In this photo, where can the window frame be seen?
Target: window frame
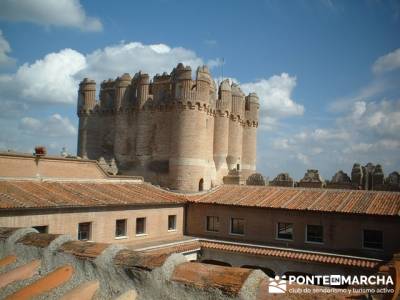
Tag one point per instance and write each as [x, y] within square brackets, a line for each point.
[175, 221]
[144, 226]
[125, 235]
[207, 228]
[371, 248]
[314, 242]
[231, 226]
[277, 232]
[90, 231]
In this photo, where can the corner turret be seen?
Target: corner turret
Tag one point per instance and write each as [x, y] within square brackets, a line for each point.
[87, 95]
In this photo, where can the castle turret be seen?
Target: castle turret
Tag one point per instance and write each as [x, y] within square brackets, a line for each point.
[86, 103]
[143, 83]
[121, 140]
[236, 129]
[221, 129]
[203, 84]
[182, 82]
[249, 144]
[187, 164]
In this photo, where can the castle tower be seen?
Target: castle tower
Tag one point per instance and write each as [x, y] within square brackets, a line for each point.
[221, 129]
[205, 98]
[144, 121]
[121, 147]
[249, 145]
[86, 103]
[236, 129]
[187, 163]
[107, 93]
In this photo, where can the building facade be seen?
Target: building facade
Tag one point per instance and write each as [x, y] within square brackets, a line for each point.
[175, 131]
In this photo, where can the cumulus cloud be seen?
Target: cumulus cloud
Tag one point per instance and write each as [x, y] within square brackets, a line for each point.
[5, 49]
[66, 13]
[51, 79]
[388, 62]
[55, 78]
[53, 126]
[117, 59]
[276, 101]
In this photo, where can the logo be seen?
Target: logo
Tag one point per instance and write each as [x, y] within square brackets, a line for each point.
[277, 285]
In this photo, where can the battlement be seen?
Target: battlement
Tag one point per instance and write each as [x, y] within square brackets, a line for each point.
[177, 89]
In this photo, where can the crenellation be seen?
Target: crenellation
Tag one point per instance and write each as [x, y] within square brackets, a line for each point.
[175, 131]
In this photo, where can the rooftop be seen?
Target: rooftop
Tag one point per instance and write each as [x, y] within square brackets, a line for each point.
[321, 200]
[22, 194]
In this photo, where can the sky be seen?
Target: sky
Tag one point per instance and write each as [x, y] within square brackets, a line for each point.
[327, 72]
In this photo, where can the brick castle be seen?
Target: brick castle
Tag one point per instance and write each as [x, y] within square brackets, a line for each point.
[175, 131]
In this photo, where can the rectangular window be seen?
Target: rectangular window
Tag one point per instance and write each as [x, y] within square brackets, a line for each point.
[212, 223]
[237, 226]
[285, 231]
[373, 239]
[41, 229]
[140, 226]
[315, 233]
[172, 222]
[120, 228]
[84, 231]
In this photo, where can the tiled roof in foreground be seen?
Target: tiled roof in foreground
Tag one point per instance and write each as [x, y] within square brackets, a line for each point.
[326, 200]
[52, 266]
[56, 194]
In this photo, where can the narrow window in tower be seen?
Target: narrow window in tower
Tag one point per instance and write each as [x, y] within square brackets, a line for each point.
[201, 183]
[238, 167]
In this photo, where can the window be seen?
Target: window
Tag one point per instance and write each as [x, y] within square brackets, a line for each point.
[140, 226]
[212, 223]
[284, 231]
[201, 184]
[41, 229]
[238, 167]
[237, 226]
[120, 228]
[84, 231]
[172, 222]
[373, 239]
[315, 234]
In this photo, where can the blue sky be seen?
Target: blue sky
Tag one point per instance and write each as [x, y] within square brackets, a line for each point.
[327, 72]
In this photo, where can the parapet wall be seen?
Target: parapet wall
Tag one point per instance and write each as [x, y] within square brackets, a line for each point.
[51, 266]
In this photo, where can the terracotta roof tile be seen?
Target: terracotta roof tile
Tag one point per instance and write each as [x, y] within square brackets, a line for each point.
[327, 200]
[291, 254]
[47, 194]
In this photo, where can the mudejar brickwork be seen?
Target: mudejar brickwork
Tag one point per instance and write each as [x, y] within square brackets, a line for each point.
[175, 131]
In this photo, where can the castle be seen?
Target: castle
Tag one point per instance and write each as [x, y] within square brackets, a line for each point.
[174, 131]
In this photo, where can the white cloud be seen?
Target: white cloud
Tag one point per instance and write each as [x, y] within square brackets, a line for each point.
[281, 144]
[276, 95]
[117, 59]
[4, 50]
[388, 62]
[48, 80]
[53, 126]
[66, 13]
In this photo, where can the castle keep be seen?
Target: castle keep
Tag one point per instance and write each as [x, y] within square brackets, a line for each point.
[174, 131]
